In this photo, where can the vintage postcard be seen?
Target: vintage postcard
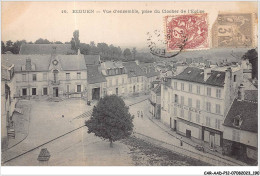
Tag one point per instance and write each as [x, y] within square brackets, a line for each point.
[130, 84]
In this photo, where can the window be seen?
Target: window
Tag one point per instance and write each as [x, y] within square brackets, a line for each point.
[218, 93]
[33, 91]
[190, 102]
[197, 118]
[198, 89]
[67, 76]
[235, 78]
[207, 121]
[34, 77]
[182, 86]
[217, 108]
[23, 77]
[236, 122]
[78, 88]
[68, 89]
[24, 91]
[217, 124]
[198, 104]
[208, 106]
[176, 98]
[44, 76]
[189, 116]
[182, 113]
[190, 87]
[209, 91]
[175, 85]
[175, 111]
[78, 75]
[45, 91]
[182, 100]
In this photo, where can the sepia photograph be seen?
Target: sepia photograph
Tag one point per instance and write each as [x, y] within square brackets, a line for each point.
[130, 84]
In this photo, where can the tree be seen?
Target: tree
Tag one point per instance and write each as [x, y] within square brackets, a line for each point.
[2, 47]
[42, 41]
[9, 43]
[127, 54]
[76, 39]
[111, 119]
[134, 53]
[85, 48]
[252, 56]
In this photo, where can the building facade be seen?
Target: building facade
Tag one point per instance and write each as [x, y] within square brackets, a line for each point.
[8, 101]
[241, 127]
[52, 76]
[195, 102]
[155, 101]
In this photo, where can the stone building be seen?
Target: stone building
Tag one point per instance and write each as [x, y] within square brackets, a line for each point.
[195, 102]
[8, 101]
[53, 76]
[240, 138]
[155, 101]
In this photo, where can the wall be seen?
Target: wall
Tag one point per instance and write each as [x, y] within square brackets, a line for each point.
[246, 137]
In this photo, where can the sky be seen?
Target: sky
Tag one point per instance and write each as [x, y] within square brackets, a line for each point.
[33, 20]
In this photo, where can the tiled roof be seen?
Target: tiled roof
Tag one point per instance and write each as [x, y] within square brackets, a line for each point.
[247, 111]
[193, 74]
[41, 61]
[94, 76]
[92, 59]
[150, 70]
[157, 89]
[45, 49]
[133, 69]
[68, 62]
[251, 95]
[72, 62]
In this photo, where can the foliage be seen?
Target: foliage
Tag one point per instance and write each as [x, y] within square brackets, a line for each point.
[111, 119]
[2, 47]
[58, 42]
[127, 54]
[13, 47]
[42, 41]
[252, 56]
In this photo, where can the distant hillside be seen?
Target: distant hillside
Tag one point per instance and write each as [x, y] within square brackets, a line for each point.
[214, 55]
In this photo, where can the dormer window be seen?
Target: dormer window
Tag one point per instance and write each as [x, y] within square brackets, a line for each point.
[237, 121]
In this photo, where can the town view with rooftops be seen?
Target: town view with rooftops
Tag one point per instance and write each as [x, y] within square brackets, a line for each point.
[199, 108]
[75, 92]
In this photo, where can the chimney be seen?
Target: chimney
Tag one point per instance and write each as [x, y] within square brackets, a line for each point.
[207, 73]
[241, 92]
[28, 65]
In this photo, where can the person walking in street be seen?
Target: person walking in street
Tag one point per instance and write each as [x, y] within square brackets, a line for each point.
[141, 114]
[138, 112]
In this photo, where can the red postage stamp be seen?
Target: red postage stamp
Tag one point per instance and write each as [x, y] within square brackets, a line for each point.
[186, 32]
